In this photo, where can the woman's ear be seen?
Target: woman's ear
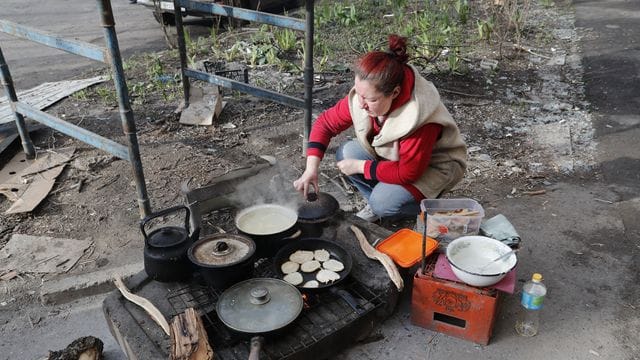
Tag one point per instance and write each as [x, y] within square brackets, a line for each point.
[395, 92]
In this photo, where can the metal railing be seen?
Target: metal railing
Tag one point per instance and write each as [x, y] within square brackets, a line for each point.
[305, 25]
[109, 55]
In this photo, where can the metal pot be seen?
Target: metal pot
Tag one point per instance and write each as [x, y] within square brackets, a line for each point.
[165, 248]
[223, 259]
[271, 226]
[258, 307]
[314, 212]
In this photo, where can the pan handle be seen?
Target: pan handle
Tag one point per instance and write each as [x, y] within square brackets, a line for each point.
[256, 346]
[346, 296]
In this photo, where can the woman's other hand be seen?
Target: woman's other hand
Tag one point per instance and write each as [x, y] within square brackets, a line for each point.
[351, 166]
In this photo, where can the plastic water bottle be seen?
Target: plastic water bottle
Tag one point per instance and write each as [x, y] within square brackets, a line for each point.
[533, 293]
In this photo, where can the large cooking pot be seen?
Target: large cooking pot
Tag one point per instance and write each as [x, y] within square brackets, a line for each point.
[259, 307]
[270, 225]
[314, 213]
[165, 248]
[223, 259]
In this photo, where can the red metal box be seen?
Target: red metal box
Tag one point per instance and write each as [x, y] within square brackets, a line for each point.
[453, 308]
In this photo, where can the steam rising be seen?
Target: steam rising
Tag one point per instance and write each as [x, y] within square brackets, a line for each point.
[273, 185]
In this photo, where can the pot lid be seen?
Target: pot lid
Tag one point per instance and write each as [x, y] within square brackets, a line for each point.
[318, 206]
[221, 250]
[265, 219]
[259, 305]
[167, 236]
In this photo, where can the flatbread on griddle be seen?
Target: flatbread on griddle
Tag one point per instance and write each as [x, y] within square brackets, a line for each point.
[311, 284]
[321, 255]
[310, 266]
[301, 256]
[333, 265]
[289, 267]
[326, 276]
[295, 278]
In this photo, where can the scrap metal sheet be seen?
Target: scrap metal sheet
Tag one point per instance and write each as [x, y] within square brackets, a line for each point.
[45, 95]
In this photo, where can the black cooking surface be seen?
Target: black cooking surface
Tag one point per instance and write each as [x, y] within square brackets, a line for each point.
[326, 325]
[324, 313]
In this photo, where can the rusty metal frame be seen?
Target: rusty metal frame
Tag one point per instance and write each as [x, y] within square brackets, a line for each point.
[305, 25]
[109, 55]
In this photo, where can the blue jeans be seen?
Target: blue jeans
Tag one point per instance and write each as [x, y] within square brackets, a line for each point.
[385, 200]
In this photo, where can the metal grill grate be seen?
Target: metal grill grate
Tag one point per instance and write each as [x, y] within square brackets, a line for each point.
[322, 317]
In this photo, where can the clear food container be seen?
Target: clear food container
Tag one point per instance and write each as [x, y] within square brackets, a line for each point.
[448, 219]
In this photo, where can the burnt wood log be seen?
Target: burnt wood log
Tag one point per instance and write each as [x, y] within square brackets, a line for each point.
[84, 348]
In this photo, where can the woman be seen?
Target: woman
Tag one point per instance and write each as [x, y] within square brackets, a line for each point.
[407, 146]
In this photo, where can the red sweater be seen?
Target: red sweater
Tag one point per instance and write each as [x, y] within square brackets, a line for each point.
[415, 149]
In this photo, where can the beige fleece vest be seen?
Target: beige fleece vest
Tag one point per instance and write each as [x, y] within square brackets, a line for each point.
[449, 156]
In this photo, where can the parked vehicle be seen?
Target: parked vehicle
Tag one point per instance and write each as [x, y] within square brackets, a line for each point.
[164, 11]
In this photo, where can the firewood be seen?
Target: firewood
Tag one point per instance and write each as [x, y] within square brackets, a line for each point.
[84, 348]
[189, 338]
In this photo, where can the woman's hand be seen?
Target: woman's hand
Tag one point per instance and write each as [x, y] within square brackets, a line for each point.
[309, 177]
[351, 166]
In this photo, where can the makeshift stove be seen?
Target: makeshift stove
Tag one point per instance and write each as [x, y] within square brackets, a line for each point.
[328, 323]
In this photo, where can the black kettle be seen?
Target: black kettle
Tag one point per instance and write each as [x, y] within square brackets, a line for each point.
[165, 248]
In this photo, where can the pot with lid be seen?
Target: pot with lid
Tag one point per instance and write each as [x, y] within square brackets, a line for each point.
[259, 307]
[314, 213]
[165, 248]
[223, 259]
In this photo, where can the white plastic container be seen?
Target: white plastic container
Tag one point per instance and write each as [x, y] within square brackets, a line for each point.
[448, 219]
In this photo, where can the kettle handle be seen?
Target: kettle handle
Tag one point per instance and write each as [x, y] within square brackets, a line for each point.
[170, 210]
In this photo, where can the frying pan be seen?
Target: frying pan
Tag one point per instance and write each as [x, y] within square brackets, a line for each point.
[335, 251]
[311, 244]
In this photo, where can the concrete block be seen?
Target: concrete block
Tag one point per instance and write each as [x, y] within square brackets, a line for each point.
[74, 287]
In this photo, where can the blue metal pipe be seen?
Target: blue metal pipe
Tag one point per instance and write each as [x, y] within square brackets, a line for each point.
[244, 14]
[182, 50]
[308, 75]
[74, 131]
[249, 89]
[71, 46]
[126, 114]
[7, 83]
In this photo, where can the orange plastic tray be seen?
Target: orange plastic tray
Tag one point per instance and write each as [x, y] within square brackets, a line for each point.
[404, 247]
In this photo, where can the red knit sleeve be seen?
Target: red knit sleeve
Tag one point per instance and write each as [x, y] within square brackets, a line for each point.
[415, 154]
[330, 123]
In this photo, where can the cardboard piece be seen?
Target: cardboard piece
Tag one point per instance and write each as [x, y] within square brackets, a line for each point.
[41, 254]
[205, 105]
[27, 182]
[443, 271]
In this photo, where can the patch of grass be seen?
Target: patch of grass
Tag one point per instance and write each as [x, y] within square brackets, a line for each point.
[107, 95]
[80, 95]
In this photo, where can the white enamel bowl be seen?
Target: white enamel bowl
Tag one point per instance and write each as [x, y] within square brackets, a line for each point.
[469, 256]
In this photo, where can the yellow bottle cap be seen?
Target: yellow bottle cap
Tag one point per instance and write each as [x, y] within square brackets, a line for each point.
[536, 277]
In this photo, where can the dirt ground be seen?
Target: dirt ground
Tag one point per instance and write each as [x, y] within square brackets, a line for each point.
[495, 110]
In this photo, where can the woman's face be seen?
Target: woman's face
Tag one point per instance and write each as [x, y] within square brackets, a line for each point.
[371, 100]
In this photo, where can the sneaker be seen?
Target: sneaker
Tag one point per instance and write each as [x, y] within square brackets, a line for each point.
[367, 214]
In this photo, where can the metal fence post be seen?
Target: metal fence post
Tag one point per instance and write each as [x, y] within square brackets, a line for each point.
[182, 50]
[308, 75]
[126, 115]
[7, 83]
